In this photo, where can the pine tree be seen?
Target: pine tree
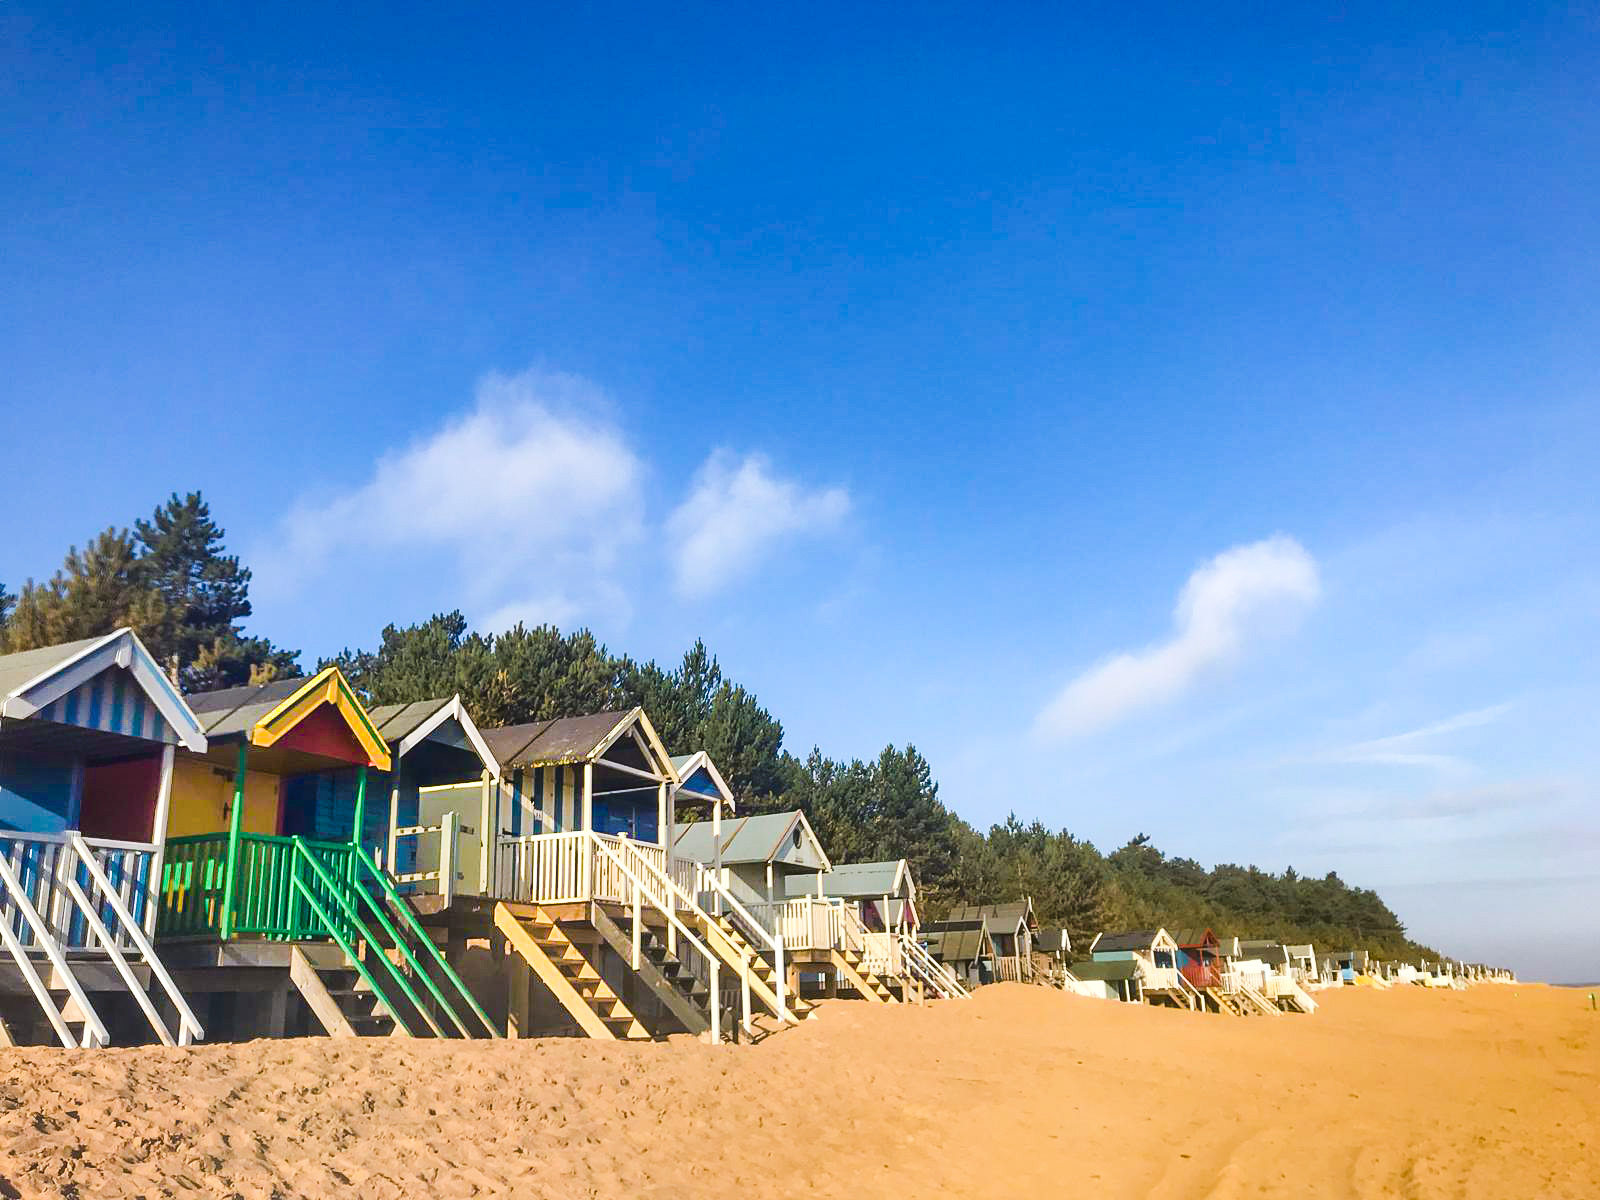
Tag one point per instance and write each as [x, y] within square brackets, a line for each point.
[205, 594]
[98, 589]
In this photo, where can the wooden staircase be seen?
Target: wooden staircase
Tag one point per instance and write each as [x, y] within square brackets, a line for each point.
[561, 966]
[870, 986]
[687, 997]
[343, 1002]
[764, 974]
[391, 978]
[1224, 1002]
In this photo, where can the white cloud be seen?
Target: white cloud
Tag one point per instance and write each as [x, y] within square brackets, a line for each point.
[1247, 592]
[529, 499]
[1408, 749]
[736, 512]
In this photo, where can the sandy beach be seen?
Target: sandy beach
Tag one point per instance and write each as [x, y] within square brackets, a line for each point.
[1021, 1091]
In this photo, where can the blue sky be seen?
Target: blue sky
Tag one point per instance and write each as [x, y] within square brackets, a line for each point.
[1171, 421]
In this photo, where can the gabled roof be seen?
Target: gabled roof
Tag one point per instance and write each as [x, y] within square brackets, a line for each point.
[84, 684]
[1090, 971]
[1194, 939]
[567, 741]
[407, 726]
[1052, 939]
[1003, 919]
[951, 945]
[761, 838]
[1137, 939]
[689, 766]
[869, 881]
[263, 714]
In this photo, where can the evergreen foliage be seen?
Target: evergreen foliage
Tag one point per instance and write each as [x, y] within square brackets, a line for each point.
[170, 581]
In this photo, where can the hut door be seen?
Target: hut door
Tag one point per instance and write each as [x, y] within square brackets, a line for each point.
[466, 801]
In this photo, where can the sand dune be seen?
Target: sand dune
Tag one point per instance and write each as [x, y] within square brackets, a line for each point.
[1020, 1092]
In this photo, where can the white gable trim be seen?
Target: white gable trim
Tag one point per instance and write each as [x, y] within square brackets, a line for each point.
[453, 708]
[119, 649]
[700, 760]
[654, 749]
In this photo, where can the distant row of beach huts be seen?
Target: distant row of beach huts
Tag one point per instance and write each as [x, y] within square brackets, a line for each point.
[281, 860]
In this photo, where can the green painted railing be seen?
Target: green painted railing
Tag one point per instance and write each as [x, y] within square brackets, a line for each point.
[266, 901]
[293, 889]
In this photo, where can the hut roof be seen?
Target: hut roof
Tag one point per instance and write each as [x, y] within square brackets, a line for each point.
[868, 881]
[761, 838]
[1093, 971]
[1053, 939]
[698, 776]
[264, 713]
[406, 726]
[109, 685]
[565, 741]
[964, 944]
[1137, 939]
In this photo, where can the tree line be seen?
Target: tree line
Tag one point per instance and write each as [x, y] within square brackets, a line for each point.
[171, 579]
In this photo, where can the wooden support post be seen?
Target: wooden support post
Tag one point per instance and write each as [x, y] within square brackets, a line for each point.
[487, 835]
[588, 796]
[231, 869]
[158, 835]
[392, 849]
[361, 816]
[519, 977]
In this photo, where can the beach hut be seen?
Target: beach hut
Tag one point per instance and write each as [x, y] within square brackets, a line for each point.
[1012, 927]
[1052, 951]
[1199, 955]
[89, 733]
[1155, 953]
[964, 947]
[765, 858]
[274, 910]
[1106, 979]
[773, 864]
[881, 897]
[619, 934]
[442, 798]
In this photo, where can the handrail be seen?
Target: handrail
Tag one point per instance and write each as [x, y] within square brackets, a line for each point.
[94, 1030]
[936, 973]
[189, 1028]
[773, 939]
[354, 917]
[449, 831]
[677, 922]
[365, 860]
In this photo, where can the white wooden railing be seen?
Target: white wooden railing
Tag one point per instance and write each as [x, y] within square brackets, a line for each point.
[642, 890]
[940, 978]
[61, 892]
[44, 863]
[566, 868]
[1007, 968]
[582, 866]
[448, 831]
[882, 955]
[710, 889]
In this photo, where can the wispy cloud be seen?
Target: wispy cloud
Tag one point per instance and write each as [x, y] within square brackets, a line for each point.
[1245, 593]
[737, 512]
[1409, 749]
[531, 496]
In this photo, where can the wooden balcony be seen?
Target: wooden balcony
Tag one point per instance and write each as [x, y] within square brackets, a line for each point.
[44, 863]
[568, 868]
[266, 901]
